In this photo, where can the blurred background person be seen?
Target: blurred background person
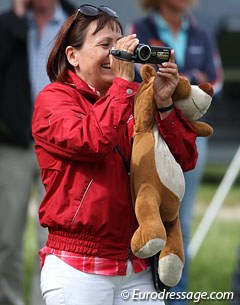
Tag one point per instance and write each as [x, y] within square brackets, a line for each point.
[26, 32]
[171, 23]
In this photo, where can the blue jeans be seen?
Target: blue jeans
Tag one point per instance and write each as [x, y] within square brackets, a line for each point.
[193, 180]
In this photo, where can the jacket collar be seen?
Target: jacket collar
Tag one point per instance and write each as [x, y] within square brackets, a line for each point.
[82, 87]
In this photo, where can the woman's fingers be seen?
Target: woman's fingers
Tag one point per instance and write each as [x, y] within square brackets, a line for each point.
[172, 57]
[168, 69]
[128, 43]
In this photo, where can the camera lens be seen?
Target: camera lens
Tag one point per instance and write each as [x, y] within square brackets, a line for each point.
[143, 52]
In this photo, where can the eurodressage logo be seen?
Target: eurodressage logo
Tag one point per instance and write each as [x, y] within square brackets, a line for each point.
[196, 297]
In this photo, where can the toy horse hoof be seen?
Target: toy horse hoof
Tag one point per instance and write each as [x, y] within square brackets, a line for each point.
[152, 247]
[170, 269]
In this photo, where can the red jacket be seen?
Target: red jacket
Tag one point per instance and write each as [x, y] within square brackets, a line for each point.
[87, 206]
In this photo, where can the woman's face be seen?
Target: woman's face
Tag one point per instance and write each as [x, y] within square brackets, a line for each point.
[43, 5]
[178, 5]
[92, 60]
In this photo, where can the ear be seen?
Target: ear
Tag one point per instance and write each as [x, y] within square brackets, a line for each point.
[147, 72]
[207, 87]
[71, 56]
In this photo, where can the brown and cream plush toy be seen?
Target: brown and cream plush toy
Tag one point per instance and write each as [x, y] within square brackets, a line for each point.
[157, 180]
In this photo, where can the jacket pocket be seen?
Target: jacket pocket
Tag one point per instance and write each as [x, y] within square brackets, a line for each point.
[81, 201]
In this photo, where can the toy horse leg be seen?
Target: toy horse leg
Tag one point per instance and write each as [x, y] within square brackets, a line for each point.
[171, 260]
[150, 237]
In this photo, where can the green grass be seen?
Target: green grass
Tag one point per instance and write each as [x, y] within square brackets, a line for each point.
[212, 268]
[214, 173]
[207, 192]
[30, 253]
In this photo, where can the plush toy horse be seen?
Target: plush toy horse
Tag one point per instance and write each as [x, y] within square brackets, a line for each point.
[157, 180]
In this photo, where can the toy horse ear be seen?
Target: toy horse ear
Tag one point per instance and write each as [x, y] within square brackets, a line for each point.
[147, 72]
[207, 87]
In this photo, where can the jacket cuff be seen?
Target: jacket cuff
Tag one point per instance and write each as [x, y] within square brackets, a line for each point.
[169, 122]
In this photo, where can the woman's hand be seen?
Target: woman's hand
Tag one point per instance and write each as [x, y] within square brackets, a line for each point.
[121, 68]
[165, 83]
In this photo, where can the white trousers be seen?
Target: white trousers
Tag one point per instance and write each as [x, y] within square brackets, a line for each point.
[62, 284]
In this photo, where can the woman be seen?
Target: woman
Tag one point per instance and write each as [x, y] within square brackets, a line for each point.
[170, 23]
[80, 123]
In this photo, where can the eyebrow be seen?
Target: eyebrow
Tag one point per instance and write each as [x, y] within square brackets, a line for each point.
[108, 38]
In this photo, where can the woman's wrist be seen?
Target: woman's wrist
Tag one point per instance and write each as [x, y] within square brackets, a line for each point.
[162, 104]
[164, 108]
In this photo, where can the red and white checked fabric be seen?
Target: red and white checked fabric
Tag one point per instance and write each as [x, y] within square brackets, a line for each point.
[92, 264]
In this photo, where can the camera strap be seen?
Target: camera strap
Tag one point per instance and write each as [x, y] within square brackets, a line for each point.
[123, 158]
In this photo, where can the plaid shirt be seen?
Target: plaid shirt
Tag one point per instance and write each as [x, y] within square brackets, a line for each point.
[92, 264]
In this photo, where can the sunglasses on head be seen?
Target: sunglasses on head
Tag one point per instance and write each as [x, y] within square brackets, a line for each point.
[93, 11]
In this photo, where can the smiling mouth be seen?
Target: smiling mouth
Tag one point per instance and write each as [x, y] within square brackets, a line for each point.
[106, 66]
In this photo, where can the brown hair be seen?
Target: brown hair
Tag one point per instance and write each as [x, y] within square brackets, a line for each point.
[73, 32]
[153, 4]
